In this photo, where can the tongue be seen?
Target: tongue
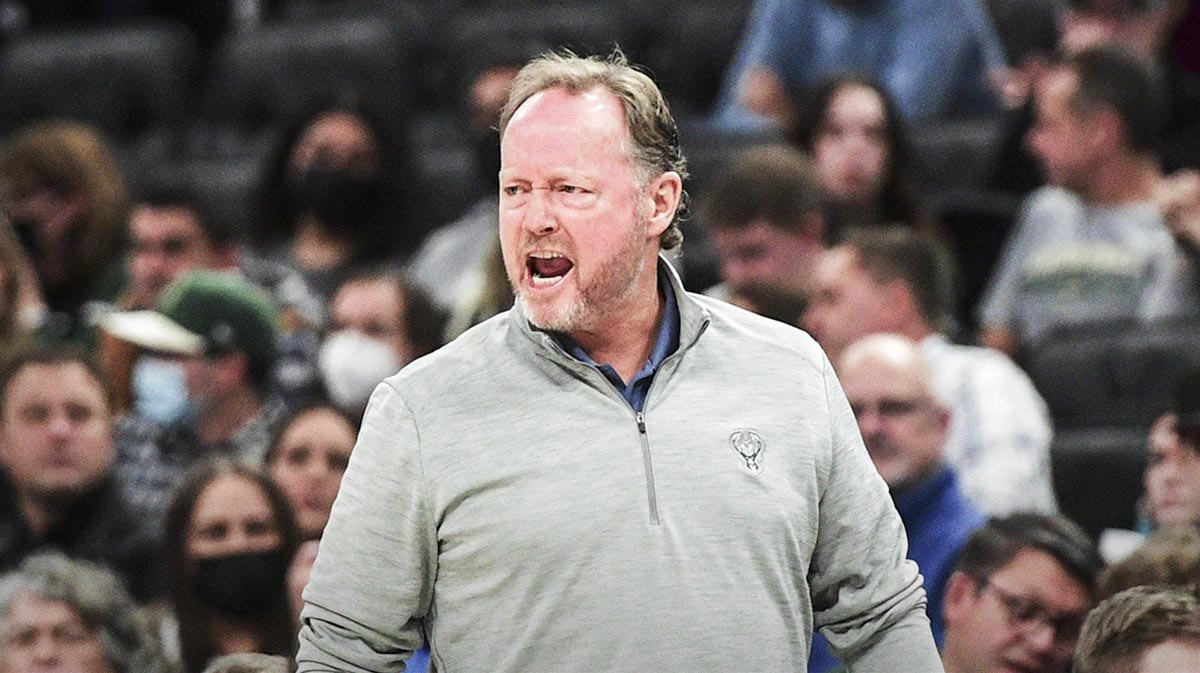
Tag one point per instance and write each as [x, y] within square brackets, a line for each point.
[549, 268]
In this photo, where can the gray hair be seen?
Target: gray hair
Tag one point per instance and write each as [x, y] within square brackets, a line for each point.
[99, 599]
[655, 147]
[249, 663]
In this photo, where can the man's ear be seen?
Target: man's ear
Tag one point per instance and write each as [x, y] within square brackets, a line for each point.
[960, 595]
[664, 195]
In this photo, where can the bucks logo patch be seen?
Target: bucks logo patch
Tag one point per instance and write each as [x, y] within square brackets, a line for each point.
[750, 447]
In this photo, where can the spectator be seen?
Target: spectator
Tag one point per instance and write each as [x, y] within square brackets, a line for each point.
[934, 56]
[763, 214]
[334, 197]
[860, 148]
[459, 265]
[896, 281]
[57, 485]
[307, 460]
[249, 663]
[1094, 245]
[378, 322]
[58, 614]
[63, 191]
[1172, 476]
[1018, 596]
[1142, 630]
[203, 389]
[172, 231]
[21, 306]
[1152, 30]
[904, 424]
[229, 539]
[1170, 557]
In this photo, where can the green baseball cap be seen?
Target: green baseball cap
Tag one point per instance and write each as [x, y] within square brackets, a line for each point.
[203, 313]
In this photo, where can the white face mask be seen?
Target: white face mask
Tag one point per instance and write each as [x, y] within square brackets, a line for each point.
[352, 364]
[160, 391]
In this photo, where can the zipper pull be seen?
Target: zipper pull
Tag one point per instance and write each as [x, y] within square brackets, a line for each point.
[641, 421]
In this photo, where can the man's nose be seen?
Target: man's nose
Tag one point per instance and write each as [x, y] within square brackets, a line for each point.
[539, 213]
[1041, 637]
[44, 649]
[60, 425]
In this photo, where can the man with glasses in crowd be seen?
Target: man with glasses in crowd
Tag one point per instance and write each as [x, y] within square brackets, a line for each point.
[903, 424]
[1018, 596]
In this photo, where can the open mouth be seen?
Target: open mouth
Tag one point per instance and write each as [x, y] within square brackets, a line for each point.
[547, 269]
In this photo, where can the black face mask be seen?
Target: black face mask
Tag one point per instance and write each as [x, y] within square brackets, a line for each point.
[340, 198]
[241, 584]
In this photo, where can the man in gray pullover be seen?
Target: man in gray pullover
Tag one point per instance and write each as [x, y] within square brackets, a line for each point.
[616, 475]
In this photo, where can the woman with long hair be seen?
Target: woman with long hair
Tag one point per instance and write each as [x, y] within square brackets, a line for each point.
[854, 133]
[336, 194]
[229, 538]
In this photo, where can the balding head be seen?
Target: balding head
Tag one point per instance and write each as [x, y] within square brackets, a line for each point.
[902, 422]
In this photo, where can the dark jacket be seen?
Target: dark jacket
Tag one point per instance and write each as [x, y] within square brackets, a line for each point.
[97, 527]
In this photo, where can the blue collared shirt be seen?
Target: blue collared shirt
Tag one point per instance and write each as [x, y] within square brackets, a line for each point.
[666, 343]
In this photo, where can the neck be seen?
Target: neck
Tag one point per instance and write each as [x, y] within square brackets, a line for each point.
[626, 336]
[855, 213]
[39, 513]
[1123, 180]
[228, 414]
[915, 329]
[234, 635]
[950, 660]
[315, 248]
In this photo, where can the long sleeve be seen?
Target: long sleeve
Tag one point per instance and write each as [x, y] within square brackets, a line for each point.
[372, 581]
[867, 597]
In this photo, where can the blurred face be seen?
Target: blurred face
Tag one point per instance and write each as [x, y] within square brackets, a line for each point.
[573, 214]
[308, 464]
[374, 308]
[1172, 656]
[1061, 138]
[847, 303]
[762, 255]
[232, 516]
[850, 150]
[167, 242]
[1172, 477]
[48, 636]
[336, 139]
[51, 213]
[1025, 618]
[901, 423]
[489, 93]
[55, 432]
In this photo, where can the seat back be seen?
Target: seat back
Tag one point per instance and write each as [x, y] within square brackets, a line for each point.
[124, 80]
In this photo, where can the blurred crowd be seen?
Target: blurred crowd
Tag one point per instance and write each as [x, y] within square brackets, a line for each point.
[185, 366]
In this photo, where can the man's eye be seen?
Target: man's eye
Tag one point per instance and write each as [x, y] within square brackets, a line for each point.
[569, 189]
[512, 190]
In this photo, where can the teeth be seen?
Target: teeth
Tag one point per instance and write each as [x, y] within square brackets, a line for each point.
[544, 255]
[546, 281]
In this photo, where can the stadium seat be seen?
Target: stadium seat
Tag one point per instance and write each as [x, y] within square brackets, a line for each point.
[268, 76]
[124, 79]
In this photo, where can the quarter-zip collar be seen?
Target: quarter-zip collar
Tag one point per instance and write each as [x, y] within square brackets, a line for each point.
[665, 343]
[693, 320]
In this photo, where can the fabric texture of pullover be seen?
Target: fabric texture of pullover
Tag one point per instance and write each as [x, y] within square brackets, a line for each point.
[505, 500]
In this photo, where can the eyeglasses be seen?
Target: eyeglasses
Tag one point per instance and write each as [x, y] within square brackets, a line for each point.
[1029, 616]
[889, 408]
